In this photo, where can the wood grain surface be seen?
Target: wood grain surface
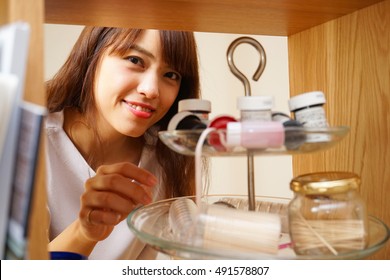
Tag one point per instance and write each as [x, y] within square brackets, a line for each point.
[31, 11]
[276, 17]
[349, 59]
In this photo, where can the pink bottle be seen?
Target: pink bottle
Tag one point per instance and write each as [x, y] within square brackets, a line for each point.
[255, 134]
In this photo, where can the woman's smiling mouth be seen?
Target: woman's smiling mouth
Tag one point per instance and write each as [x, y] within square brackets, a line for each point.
[140, 110]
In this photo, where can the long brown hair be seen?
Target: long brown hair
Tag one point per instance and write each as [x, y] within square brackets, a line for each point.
[72, 86]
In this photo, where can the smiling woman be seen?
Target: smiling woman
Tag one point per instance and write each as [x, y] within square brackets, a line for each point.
[116, 90]
[141, 70]
[221, 88]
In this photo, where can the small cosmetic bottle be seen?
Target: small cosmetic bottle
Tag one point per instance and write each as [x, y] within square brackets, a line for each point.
[255, 107]
[294, 136]
[220, 124]
[308, 109]
[255, 134]
[199, 107]
[256, 130]
[327, 216]
[186, 121]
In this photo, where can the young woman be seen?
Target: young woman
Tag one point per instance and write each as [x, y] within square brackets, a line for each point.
[117, 89]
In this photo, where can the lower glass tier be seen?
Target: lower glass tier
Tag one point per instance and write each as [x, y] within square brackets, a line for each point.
[151, 225]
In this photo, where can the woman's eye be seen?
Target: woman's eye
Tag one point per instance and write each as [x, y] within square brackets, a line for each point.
[173, 76]
[135, 60]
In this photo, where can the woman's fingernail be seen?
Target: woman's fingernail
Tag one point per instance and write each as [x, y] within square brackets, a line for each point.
[152, 181]
[146, 199]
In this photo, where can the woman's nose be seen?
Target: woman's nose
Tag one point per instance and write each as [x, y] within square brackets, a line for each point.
[149, 85]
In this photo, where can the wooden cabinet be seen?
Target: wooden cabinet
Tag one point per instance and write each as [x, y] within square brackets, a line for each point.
[340, 47]
[277, 17]
[32, 11]
[349, 59]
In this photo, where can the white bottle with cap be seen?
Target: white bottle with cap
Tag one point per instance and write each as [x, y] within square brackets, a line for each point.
[255, 107]
[256, 130]
[308, 109]
[199, 107]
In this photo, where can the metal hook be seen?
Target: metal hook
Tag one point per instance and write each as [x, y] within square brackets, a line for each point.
[244, 80]
[237, 72]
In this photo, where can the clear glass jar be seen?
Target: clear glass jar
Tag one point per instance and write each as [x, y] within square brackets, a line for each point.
[327, 215]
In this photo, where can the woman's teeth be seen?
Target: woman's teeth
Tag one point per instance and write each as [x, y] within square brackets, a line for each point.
[140, 108]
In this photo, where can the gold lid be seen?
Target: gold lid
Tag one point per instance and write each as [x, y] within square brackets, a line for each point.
[325, 182]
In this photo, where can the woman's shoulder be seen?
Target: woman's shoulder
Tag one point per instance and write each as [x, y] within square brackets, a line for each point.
[54, 121]
[56, 136]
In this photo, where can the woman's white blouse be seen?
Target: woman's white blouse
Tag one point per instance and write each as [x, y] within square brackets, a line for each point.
[67, 171]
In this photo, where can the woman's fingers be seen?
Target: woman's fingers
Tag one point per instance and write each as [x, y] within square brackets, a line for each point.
[114, 192]
[107, 200]
[104, 208]
[120, 185]
[96, 216]
[131, 171]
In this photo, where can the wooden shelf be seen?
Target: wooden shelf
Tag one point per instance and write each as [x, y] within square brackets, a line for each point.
[276, 17]
[331, 43]
[348, 59]
[31, 11]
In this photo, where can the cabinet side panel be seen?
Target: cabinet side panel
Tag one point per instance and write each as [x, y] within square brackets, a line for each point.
[3, 12]
[32, 11]
[349, 59]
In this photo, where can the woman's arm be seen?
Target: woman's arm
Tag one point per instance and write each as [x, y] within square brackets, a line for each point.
[71, 240]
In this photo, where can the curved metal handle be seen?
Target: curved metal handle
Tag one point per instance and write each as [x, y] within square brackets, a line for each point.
[237, 72]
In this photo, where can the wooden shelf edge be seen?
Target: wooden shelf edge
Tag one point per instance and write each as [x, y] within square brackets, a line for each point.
[278, 18]
[32, 11]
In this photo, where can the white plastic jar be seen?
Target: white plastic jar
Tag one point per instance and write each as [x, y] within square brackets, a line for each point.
[255, 107]
[308, 109]
[256, 130]
[199, 107]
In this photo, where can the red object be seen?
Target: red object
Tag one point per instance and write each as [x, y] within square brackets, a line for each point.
[219, 123]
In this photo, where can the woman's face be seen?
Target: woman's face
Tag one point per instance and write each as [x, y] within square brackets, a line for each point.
[136, 90]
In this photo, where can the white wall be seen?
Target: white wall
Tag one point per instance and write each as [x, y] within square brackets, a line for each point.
[221, 87]
[58, 42]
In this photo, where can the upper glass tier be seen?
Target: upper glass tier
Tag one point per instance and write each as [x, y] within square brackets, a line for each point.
[297, 141]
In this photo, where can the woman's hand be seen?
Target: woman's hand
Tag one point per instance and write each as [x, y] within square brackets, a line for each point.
[111, 195]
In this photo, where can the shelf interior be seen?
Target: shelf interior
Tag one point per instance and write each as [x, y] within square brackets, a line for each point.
[277, 18]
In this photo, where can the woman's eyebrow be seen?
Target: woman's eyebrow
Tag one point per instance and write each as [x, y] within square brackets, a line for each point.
[142, 50]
